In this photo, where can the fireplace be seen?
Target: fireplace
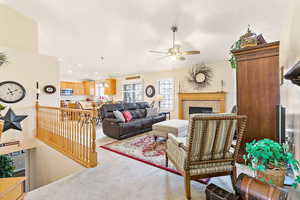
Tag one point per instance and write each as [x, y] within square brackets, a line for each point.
[206, 102]
[194, 110]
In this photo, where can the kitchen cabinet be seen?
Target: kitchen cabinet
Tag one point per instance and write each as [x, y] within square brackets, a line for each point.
[89, 88]
[77, 87]
[111, 87]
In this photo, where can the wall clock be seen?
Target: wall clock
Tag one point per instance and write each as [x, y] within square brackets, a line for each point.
[49, 89]
[150, 91]
[11, 92]
[200, 76]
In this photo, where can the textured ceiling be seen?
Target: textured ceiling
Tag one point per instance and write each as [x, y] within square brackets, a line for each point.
[122, 31]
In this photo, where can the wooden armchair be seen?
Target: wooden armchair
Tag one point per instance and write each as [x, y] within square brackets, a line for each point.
[205, 152]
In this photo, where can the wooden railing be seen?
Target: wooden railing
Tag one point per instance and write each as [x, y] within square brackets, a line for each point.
[70, 131]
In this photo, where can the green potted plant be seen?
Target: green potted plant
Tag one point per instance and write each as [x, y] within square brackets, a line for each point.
[232, 60]
[270, 161]
[3, 58]
[6, 166]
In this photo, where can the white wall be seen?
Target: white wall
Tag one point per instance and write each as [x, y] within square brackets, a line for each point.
[18, 39]
[290, 54]
[17, 31]
[221, 71]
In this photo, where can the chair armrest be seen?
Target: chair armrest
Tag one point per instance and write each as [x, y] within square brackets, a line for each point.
[177, 141]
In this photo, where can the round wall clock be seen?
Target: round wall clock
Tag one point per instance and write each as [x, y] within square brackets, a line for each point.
[11, 92]
[150, 91]
[49, 89]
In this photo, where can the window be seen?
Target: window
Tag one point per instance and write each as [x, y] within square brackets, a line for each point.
[166, 90]
[100, 90]
[133, 92]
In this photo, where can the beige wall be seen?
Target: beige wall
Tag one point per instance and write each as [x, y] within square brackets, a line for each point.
[290, 54]
[27, 68]
[18, 39]
[221, 71]
[48, 166]
[22, 29]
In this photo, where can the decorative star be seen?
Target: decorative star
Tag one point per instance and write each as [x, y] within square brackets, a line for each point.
[12, 121]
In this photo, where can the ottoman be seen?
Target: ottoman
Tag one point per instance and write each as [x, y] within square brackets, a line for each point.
[175, 126]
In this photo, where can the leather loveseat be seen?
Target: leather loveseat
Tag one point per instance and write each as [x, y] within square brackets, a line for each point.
[121, 130]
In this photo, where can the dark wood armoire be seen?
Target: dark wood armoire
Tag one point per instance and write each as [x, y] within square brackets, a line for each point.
[258, 94]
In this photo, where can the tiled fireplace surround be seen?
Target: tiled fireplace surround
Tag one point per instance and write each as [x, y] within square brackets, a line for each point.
[215, 100]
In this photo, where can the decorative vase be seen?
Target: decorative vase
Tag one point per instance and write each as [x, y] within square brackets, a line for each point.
[276, 175]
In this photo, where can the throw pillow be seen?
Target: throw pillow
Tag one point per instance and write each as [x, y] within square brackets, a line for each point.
[151, 112]
[119, 116]
[127, 115]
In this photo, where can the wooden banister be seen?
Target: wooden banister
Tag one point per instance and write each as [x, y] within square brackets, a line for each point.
[70, 131]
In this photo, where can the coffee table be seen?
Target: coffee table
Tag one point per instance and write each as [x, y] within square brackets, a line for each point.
[174, 126]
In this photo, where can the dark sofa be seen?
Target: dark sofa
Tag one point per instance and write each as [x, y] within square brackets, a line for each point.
[121, 130]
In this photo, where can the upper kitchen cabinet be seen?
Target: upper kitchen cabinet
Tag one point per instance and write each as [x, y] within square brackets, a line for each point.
[89, 88]
[110, 88]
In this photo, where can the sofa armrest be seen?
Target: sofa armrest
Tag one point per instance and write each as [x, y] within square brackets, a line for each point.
[111, 127]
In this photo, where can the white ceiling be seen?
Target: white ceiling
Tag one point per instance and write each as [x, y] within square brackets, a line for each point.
[122, 31]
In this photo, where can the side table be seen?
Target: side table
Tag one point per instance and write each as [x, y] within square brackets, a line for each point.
[166, 113]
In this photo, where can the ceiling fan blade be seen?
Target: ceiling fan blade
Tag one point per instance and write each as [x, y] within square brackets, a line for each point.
[190, 52]
[161, 58]
[161, 52]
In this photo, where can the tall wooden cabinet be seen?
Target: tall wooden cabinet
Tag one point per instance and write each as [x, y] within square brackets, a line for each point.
[258, 93]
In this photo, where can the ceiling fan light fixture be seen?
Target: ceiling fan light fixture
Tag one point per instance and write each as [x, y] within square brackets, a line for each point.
[174, 28]
[175, 50]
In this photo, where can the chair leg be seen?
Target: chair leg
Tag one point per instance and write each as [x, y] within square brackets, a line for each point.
[167, 160]
[187, 185]
[233, 177]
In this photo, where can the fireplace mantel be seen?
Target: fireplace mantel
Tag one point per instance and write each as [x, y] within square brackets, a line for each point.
[203, 96]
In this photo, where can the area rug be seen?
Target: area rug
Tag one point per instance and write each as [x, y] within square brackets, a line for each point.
[144, 149]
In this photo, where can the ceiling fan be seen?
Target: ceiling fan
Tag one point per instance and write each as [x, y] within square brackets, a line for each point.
[175, 51]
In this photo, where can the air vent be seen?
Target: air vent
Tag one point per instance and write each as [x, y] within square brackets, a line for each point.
[132, 77]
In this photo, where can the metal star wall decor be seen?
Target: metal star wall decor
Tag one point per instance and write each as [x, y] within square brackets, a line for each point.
[12, 121]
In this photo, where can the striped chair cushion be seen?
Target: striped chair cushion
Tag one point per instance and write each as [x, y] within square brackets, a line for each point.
[210, 168]
[211, 138]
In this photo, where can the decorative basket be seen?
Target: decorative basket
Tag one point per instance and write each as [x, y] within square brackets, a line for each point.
[277, 175]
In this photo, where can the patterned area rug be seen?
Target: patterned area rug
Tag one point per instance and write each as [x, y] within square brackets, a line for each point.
[143, 148]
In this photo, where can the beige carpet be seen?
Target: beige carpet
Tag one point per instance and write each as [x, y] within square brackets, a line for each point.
[118, 177]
